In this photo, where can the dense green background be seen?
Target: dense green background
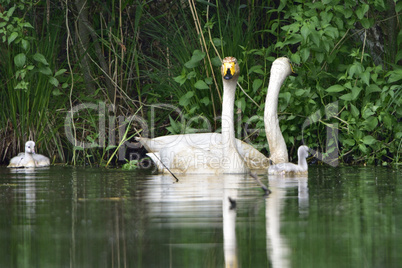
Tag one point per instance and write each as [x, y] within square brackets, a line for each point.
[127, 55]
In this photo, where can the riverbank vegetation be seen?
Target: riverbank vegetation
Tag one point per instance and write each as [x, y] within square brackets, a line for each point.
[82, 78]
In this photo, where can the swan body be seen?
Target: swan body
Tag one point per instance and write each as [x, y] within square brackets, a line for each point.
[280, 69]
[204, 141]
[204, 156]
[29, 158]
[289, 168]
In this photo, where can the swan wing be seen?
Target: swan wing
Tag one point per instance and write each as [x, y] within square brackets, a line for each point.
[190, 144]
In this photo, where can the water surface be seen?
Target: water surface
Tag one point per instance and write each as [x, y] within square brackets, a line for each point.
[94, 217]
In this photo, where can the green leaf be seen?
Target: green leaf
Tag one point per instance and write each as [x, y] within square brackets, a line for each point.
[10, 11]
[366, 113]
[200, 84]
[349, 142]
[372, 88]
[185, 99]
[347, 97]
[355, 112]
[20, 60]
[181, 79]
[54, 81]
[24, 44]
[218, 42]
[356, 68]
[241, 103]
[191, 75]
[335, 88]
[216, 61]
[256, 69]
[59, 72]
[360, 12]
[286, 96]
[175, 125]
[12, 37]
[369, 140]
[305, 31]
[295, 58]
[370, 123]
[205, 101]
[40, 58]
[363, 148]
[56, 92]
[22, 85]
[319, 56]
[27, 25]
[197, 56]
[45, 70]
[365, 77]
[316, 38]
[355, 92]
[387, 119]
[305, 54]
[395, 75]
[257, 84]
[366, 23]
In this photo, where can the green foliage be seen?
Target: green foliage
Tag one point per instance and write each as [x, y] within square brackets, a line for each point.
[328, 40]
[347, 55]
[29, 79]
[130, 165]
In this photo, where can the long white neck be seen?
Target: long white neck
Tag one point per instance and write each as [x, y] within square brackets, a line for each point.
[276, 142]
[233, 162]
[302, 161]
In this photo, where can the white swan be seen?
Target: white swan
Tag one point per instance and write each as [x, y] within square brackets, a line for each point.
[289, 168]
[208, 152]
[29, 158]
[255, 160]
[280, 69]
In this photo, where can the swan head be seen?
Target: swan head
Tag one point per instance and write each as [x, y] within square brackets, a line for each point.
[283, 65]
[302, 152]
[30, 147]
[230, 68]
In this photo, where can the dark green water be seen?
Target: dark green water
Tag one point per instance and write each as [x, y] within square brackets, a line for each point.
[92, 217]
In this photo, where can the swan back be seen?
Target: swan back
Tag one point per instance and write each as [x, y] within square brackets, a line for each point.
[41, 160]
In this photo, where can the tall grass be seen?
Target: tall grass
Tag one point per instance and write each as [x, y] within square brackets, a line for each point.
[29, 114]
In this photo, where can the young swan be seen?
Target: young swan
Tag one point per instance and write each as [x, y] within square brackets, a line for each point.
[29, 158]
[290, 168]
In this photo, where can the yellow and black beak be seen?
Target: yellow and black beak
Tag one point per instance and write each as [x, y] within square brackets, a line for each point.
[228, 70]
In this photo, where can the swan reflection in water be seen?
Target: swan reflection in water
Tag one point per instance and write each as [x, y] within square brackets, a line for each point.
[277, 246]
[198, 201]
